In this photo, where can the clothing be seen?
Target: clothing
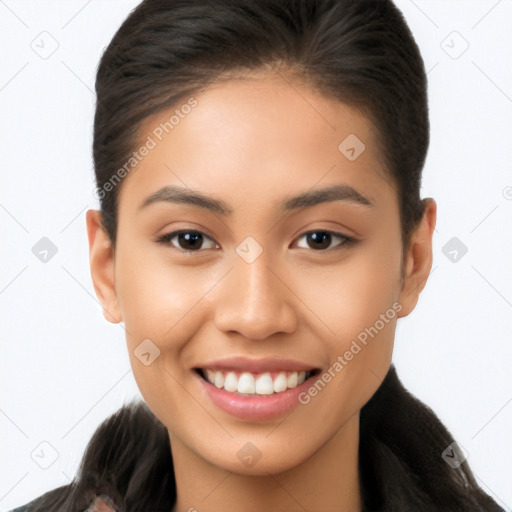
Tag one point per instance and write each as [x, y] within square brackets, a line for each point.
[100, 503]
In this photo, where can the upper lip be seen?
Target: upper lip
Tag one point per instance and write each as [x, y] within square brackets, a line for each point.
[272, 364]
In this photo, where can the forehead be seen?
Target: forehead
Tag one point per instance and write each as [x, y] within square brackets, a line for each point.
[266, 129]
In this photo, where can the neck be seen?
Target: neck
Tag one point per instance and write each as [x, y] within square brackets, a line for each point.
[327, 481]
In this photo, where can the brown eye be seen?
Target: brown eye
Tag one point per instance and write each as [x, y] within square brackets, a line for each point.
[321, 240]
[193, 241]
[189, 241]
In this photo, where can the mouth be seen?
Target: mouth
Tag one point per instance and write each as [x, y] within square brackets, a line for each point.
[252, 389]
[246, 383]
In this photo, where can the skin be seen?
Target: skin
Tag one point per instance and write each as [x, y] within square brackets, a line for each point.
[251, 143]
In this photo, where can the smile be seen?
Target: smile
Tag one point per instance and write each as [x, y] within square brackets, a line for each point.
[248, 383]
[254, 389]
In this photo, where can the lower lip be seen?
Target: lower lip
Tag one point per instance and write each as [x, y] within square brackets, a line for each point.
[257, 407]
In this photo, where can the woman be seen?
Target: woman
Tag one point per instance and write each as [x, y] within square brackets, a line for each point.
[258, 165]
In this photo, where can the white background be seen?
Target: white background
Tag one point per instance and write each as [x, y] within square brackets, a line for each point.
[64, 368]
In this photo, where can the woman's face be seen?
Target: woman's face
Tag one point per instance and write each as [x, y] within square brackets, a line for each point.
[279, 277]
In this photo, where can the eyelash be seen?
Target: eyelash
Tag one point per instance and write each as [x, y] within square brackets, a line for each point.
[166, 239]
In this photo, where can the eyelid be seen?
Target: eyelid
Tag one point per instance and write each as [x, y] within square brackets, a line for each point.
[348, 240]
[166, 237]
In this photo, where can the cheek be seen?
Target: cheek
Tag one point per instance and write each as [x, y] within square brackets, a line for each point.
[162, 310]
[351, 296]
[356, 315]
[364, 319]
[158, 298]
[356, 306]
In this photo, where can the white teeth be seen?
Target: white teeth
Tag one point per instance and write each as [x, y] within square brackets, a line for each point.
[264, 384]
[246, 383]
[292, 380]
[260, 384]
[210, 375]
[218, 379]
[231, 382]
[280, 383]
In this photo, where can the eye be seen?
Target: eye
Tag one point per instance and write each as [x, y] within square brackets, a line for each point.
[187, 240]
[321, 239]
[192, 240]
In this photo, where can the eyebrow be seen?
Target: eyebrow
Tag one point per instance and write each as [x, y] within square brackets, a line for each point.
[180, 195]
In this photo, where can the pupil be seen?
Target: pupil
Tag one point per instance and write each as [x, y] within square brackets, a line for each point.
[190, 238]
[320, 236]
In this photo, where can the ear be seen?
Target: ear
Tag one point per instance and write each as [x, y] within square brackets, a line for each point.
[418, 259]
[101, 262]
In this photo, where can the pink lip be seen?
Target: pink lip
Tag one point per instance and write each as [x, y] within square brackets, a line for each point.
[244, 364]
[263, 407]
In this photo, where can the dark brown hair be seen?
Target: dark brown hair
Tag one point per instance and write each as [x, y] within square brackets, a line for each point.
[360, 52]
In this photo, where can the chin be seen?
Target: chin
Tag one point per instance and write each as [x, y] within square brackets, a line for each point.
[278, 463]
[259, 457]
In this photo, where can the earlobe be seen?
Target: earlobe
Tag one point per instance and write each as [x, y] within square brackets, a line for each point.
[101, 262]
[418, 259]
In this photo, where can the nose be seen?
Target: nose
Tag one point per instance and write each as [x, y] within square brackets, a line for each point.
[255, 301]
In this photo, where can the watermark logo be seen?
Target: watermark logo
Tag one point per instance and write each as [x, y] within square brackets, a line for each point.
[44, 455]
[44, 250]
[454, 455]
[454, 249]
[249, 454]
[454, 45]
[146, 352]
[45, 45]
[351, 147]
[249, 249]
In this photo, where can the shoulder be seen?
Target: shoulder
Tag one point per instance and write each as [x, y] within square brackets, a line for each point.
[47, 502]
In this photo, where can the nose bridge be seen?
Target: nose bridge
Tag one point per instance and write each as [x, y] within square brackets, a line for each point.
[254, 302]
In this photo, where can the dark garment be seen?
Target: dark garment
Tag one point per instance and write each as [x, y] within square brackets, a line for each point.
[101, 503]
[35, 502]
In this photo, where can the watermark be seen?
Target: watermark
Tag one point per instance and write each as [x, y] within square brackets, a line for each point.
[146, 352]
[454, 45]
[354, 349]
[454, 455]
[249, 249]
[351, 147]
[44, 454]
[44, 250]
[150, 143]
[249, 454]
[44, 45]
[454, 249]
